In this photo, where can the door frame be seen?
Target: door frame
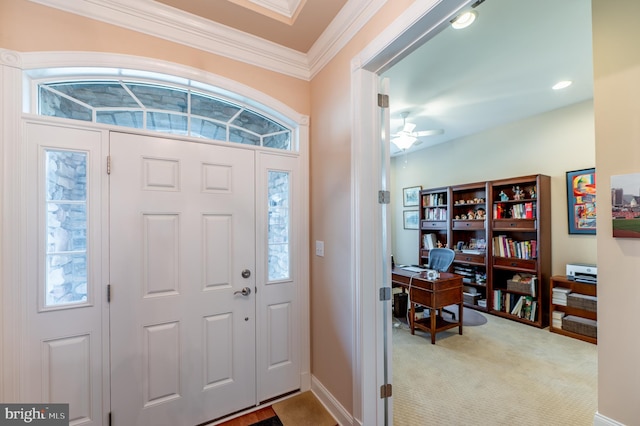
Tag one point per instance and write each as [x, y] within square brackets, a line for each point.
[415, 26]
[14, 257]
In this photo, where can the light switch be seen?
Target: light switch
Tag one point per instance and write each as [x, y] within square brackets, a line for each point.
[320, 248]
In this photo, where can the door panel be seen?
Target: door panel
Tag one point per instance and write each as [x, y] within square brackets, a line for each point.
[182, 231]
[65, 311]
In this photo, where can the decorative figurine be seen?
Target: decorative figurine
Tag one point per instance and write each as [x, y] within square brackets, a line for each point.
[480, 214]
[518, 194]
[532, 192]
[471, 214]
[503, 196]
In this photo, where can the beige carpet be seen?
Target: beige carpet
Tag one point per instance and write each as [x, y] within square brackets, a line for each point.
[303, 410]
[499, 373]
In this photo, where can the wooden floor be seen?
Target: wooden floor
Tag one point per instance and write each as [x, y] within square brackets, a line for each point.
[251, 418]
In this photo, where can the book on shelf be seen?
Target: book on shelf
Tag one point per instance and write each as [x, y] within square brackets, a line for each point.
[505, 246]
[559, 295]
[429, 241]
[435, 213]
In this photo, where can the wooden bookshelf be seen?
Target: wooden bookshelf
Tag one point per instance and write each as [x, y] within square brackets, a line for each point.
[575, 287]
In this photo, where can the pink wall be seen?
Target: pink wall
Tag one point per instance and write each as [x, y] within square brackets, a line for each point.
[331, 293]
[29, 27]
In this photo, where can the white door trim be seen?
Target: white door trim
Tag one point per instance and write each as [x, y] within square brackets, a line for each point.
[13, 226]
[420, 22]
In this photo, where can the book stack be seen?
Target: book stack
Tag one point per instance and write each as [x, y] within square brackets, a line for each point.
[559, 296]
[429, 241]
[556, 319]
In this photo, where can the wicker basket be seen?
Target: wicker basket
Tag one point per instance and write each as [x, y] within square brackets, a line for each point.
[582, 301]
[579, 325]
[518, 286]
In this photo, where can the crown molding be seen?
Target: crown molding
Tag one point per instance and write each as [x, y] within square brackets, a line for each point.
[159, 20]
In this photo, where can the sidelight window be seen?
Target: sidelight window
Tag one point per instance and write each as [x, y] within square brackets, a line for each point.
[279, 258]
[66, 227]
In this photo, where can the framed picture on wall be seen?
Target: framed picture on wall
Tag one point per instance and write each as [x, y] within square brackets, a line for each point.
[581, 201]
[410, 218]
[625, 210]
[411, 196]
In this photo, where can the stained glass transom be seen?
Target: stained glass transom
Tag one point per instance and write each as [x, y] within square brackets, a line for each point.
[161, 108]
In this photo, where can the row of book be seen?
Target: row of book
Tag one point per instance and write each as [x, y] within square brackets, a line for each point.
[436, 213]
[520, 306]
[515, 211]
[432, 200]
[504, 246]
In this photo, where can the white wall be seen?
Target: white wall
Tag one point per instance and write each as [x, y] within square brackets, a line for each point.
[551, 143]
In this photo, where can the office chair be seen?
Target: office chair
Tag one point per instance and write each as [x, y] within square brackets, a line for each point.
[441, 259]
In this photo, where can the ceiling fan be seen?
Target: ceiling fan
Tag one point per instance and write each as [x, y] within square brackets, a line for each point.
[406, 137]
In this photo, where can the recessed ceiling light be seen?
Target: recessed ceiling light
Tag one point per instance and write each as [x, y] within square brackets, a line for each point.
[464, 20]
[562, 84]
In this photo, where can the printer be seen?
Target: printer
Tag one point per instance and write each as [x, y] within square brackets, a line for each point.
[582, 272]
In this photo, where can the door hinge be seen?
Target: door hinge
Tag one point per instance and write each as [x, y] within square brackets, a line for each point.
[384, 197]
[385, 391]
[108, 164]
[108, 293]
[383, 100]
[385, 293]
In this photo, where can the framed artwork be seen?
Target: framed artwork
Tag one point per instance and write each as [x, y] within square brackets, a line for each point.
[410, 218]
[411, 196]
[581, 201]
[625, 210]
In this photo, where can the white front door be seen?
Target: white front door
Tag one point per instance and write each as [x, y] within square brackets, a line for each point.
[182, 249]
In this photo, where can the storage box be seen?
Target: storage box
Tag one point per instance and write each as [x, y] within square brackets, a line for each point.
[584, 326]
[471, 299]
[519, 286]
[582, 301]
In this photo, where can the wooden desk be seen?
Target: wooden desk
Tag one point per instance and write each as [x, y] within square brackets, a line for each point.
[432, 294]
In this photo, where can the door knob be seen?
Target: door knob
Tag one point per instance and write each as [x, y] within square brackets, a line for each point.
[245, 291]
[246, 273]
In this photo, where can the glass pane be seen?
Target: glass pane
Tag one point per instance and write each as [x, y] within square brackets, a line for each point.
[162, 98]
[66, 279]
[279, 224]
[53, 105]
[98, 94]
[257, 123]
[66, 227]
[280, 141]
[121, 118]
[66, 173]
[212, 108]
[168, 123]
[208, 129]
[239, 136]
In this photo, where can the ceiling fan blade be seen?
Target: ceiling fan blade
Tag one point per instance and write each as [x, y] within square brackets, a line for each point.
[431, 132]
[408, 127]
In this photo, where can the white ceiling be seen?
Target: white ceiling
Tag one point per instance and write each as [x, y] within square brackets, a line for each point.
[462, 81]
[498, 70]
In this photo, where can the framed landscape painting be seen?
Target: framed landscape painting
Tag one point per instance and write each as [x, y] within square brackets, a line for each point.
[411, 196]
[411, 219]
[625, 211]
[581, 201]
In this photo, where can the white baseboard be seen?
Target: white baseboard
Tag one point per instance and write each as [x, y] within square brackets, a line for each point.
[343, 417]
[600, 420]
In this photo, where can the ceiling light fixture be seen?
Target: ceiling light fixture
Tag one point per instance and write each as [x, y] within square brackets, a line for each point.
[562, 84]
[404, 141]
[464, 20]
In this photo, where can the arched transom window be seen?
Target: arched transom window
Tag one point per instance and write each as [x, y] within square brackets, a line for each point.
[161, 108]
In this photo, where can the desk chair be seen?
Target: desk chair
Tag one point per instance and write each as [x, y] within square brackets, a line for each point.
[441, 259]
